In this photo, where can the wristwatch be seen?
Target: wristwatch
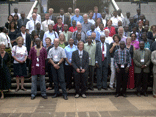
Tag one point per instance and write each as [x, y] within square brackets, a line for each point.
[58, 63]
[145, 65]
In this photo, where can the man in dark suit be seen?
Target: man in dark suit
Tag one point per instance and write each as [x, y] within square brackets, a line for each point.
[22, 21]
[51, 16]
[65, 19]
[102, 60]
[80, 62]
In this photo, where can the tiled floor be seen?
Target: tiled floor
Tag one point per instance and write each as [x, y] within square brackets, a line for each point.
[92, 106]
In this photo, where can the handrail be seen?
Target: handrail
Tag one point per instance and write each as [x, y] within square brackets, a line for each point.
[31, 10]
[116, 6]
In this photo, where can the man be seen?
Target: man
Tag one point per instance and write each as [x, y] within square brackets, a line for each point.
[119, 25]
[120, 33]
[73, 28]
[108, 15]
[137, 16]
[108, 39]
[93, 30]
[47, 22]
[93, 35]
[90, 19]
[30, 26]
[22, 21]
[141, 59]
[77, 17]
[16, 12]
[115, 19]
[80, 61]
[126, 31]
[79, 30]
[101, 31]
[38, 56]
[140, 29]
[147, 42]
[153, 59]
[69, 13]
[86, 25]
[127, 19]
[96, 14]
[68, 65]
[103, 19]
[122, 61]
[51, 34]
[148, 33]
[102, 60]
[131, 24]
[56, 56]
[38, 31]
[91, 49]
[66, 33]
[38, 17]
[51, 16]
[65, 19]
[153, 47]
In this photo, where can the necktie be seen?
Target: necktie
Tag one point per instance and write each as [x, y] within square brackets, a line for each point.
[80, 59]
[95, 16]
[103, 56]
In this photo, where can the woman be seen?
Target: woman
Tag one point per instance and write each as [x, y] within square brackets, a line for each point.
[113, 47]
[111, 28]
[62, 43]
[15, 20]
[5, 77]
[98, 22]
[130, 83]
[134, 30]
[153, 28]
[13, 32]
[134, 42]
[19, 53]
[10, 18]
[58, 27]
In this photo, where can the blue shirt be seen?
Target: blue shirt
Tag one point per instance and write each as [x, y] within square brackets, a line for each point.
[52, 36]
[97, 34]
[69, 51]
[98, 16]
[147, 45]
[80, 19]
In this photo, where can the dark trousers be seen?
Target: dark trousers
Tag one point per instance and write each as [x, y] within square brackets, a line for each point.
[102, 73]
[141, 78]
[68, 76]
[49, 69]
[91, 76]
[80, 82]
[58, 78]
[121, 79]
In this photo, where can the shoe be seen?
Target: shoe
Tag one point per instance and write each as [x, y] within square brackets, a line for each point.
[117, 95]
[145, 94]
[91, 88]
[138, 94]
[154, 96]
[44, 97]
[105, 88]
[77, 96]
[84, 96]
[32, 98]
[124, 95]
[55, 96]
[111, 88]
[65, 97]
[17, 90]
[99, 89]
[23, 89]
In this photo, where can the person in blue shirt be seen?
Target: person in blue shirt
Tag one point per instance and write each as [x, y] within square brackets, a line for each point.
[77, 17]
[69, 49]
[93, 30]
[96, 14]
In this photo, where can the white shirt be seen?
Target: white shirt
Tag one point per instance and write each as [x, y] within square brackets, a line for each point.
[101, 32]
[46, 23]
[30, 25]
[24, 37]
[104, 22]
[5, 38]
[109, 40]
[62, 18]
[97, 29]
[38, 18]
[19, 15]
[80, 52]
[115, 21]
[52, 36]
[105, 49]
[91, 21]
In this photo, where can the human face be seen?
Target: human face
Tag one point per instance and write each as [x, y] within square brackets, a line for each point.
[70, 10]
[81, 46]
[62, 12]
[89, 39]
[12, 25]
[10, 18]
[71, 41]
[109, 23]
[47, 16]
[61, 37]
[101, 26]
[23, 29]
[115, 13]
[96, 10]
[34, 16]
[85, 18]
[107, 33]
[92, 27]
[90, 15]
[133, 37]
[120, 32]
[23, 15]
[2, 48]
[74, 23]
[102, 39]
[50, 27]
[126, 28]
[79, 27]
[16, 10]
[93, 36]
[144, 37]
[142, 45]
[128, 41]
[122, 45]
[65, 27]
[103, 15]
[38, 41]
[119, 23]
[140, 24]
[50, 12]
[56, 42]
[59, 21]
[35, 10]
[48, 42]
[116, 39]
[78, 36]
[20, 42]
[77, 12]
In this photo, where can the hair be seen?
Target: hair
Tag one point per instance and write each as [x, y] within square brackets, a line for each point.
[59, 17]
[23, 26]
[61, 34]
[77, 9]
[152, 27]
[95, 7]
[15, 26]
[61, 9]
[35, 8]
[11, 16]
[78, 34]
[2, 43]
[16, 16]
[110, 21]
[80, 43]
[90, 11]
[48, 38]
[128, 38]
[106, 30]
[116, 35]
[50, 24]
[132, 34]
[120, 28]
[18, 38]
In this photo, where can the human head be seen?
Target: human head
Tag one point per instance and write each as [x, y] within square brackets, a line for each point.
[91, 14]
[38, 26]
[115, 13]
[146, 22]
[119, 23]
[106, 32]
[20, 41]
[16, 17]
[153, 28]
[56, 42]
[102, 38]
[93, 35]
[35, 10]
[101, 26]
[78, 36]
[34, 16]
[62, 37]
[131, 20]
[12, 25]
[109, 23]
[128, 14]
[79, 26]
[128, 40]
[65, 27]
[144, 36]
[23, 28]
[89, 39]
[133, 36]
[47, 16]
[141, 45]
[126, 28]
[2, 47]
[16, 10]
[77, 11]
[61, 11]
[119, 12]
[22, 15]
[59, 20]
[138, 11]
[92, 27]
[96, 9]
[120, 31]
[38, 42]
[116, 38]
[71, 41]
[74, 23]
[51, 10]
[70, 10]
[122, 45]
[140, 24]
[50, 27]
[80, 45]
[48, 41]
[146, 28]
[10, 18]
[103, 15]
[85, 18]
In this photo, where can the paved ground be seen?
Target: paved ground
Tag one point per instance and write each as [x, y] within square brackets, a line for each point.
[92, 106]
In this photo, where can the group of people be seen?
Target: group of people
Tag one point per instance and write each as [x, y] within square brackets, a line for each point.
[72, 48]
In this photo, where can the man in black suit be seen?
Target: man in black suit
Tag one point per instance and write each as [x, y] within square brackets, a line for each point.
[65, 19]
[102, 60]
[80, 62]
[22, 21]
[51, 16]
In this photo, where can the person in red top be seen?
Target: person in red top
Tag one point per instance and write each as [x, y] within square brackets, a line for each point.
[58, 27]
[111, 28]
[73, 28]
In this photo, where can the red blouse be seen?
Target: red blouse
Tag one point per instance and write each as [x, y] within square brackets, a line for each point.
[111, 31]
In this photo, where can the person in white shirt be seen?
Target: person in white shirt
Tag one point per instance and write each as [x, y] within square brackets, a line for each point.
[104, 21]
[16, 12]
[30, 26]
[91, 20]
[38, 16]
[108, 39]
[47, 22]
[51, 34]
[115, 19]
[101, 31]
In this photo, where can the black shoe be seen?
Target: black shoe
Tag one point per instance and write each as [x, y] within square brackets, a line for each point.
[138, 94]
[145, 94]
[91, 88]
[99, 89]
[117, 95]
[55, 96]
[124, 95]
[44, 97]
[32, 98]
[65, 97]
[105, 88]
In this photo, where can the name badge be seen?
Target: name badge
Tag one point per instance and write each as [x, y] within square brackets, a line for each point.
[37, 65]
[70, 59]
[142, 60]
[104, 52]
[37, 59]
[89, 58]
[122, 66]
[80, 56]
[55, 56]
